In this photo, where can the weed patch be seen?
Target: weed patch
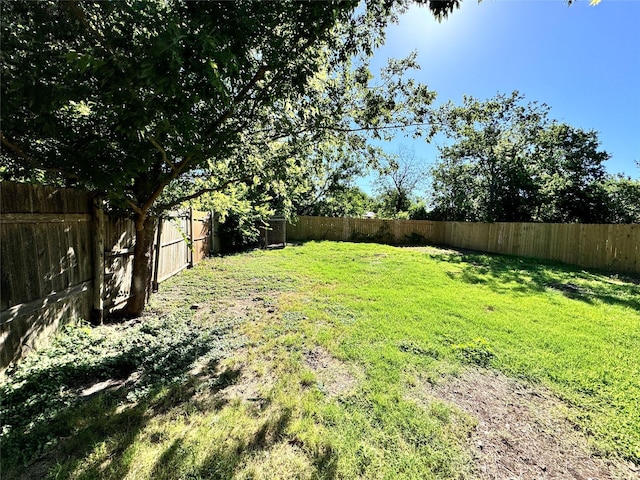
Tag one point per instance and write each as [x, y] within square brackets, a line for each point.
[125, 364]
[477, 352]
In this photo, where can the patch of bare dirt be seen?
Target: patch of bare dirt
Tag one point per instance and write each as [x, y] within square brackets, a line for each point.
[228, 381]
[334, 376]
[249, 387]
[521, 433]
[238, 308]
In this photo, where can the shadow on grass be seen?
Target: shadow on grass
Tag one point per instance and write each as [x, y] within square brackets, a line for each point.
[77, 409]
[504, 274]
[223, 463]
[227, 459]
[99, 385]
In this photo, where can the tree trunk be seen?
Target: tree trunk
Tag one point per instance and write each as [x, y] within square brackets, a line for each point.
[142, 265]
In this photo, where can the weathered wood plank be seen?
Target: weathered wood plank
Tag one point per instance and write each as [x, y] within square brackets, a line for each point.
[98, 261]
[9, 197]
[190, 244]
[156, 255]
[172, 273]
[5, 272]
[41, 303]
[44, 217]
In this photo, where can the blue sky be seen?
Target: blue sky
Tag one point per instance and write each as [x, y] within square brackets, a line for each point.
[581, 60]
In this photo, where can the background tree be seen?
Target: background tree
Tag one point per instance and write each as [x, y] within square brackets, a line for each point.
[623, 197]
[399, 178]
[571, 176]
[125, 98]
[509, 162]
[486, 173]
[346, 201]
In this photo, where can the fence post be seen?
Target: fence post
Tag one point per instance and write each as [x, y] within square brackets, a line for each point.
[156, 260]
[98, 261]
[215, 237]
[191, 245]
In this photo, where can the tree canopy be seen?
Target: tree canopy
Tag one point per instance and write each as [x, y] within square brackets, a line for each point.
[623, 196]
[127, 99]
[509, 162]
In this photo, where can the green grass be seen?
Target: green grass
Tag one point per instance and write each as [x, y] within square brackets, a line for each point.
[391, 318]
[402, 310]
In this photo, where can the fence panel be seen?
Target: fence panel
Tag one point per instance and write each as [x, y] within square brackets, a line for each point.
[365, 229]
[46, 258]
[119, 242]
[174, 247]
[201, 236]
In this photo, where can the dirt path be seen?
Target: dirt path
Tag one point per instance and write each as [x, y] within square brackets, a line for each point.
[521, 433]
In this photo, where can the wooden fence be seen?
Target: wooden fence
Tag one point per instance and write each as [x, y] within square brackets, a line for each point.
[183, 241]
[46, 238]
[608, 247]
[62, 258]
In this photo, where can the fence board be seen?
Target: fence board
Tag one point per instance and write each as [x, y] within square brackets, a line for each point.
[201, 240]
[174, 247]
[5, 280]
[119, 240]
[32, 284]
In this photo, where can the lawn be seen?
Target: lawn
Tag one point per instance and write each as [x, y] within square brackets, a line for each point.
[338, 360]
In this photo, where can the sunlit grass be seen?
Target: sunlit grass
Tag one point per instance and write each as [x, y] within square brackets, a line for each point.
[328, 341]
[403, 312]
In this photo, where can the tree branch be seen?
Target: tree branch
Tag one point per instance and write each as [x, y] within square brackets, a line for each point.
[76, 10]
[259, 75]
[134, 207]
[202, 191]
[17, 151]
[179, 168]
[279, 136]
[383, 127]
[163, 152]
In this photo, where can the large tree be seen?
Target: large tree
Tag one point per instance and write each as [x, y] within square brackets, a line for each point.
[507, 161]
[125, 97]
[570, 176]
[483, 175]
